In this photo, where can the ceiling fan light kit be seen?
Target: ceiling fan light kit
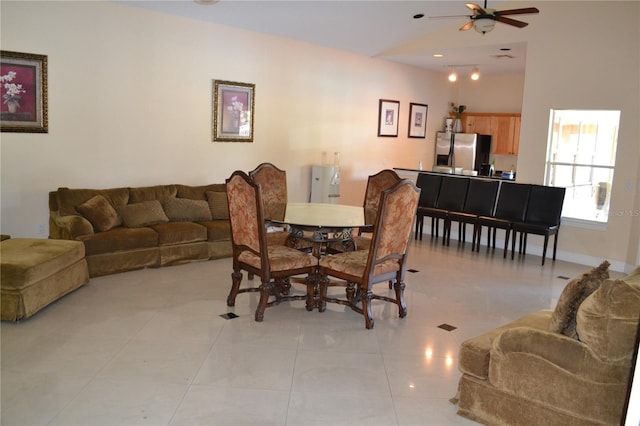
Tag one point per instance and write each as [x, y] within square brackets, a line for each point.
[484, 20]
[483, 25]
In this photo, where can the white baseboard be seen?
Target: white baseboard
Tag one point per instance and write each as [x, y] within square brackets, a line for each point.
[567, 256]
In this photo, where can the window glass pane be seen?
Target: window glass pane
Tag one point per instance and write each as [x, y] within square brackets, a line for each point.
[581, 157]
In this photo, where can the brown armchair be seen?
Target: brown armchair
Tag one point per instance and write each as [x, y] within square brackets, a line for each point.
[274, 264]
[570, 366]
[384, 261]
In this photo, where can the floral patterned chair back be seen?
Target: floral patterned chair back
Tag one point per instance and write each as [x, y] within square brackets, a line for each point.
[245, 213]
[377, 183]
[394, 223]
[384, 261]
[274, 264]
[273, 185]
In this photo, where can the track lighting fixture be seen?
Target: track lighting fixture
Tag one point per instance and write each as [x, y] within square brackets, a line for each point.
[475, 74]
[453, 74]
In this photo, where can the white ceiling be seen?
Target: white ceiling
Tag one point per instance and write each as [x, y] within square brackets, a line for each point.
[377, 28]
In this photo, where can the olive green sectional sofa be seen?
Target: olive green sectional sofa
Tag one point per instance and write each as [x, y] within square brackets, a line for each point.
[568, 366]
[123, 229]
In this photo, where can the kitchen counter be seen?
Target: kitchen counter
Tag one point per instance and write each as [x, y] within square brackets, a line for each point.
[413, 174]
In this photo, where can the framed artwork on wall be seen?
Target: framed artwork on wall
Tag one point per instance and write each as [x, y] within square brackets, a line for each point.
[388, 113]
[233, 111]
[23, 83]
[417, 120]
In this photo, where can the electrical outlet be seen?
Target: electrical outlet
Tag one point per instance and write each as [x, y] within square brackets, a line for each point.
[41, 229]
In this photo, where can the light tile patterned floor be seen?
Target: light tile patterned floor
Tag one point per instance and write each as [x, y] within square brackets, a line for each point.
[149, 347]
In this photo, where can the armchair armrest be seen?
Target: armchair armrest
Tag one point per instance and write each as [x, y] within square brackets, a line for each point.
[565, 353]
[68, 227]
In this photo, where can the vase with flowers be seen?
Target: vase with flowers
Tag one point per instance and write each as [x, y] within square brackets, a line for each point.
[13, 91]
[456, 112]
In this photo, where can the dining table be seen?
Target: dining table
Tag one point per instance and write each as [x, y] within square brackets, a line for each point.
[324, 225]
[329, 228]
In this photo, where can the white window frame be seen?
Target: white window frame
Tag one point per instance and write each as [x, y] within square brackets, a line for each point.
[600, 217]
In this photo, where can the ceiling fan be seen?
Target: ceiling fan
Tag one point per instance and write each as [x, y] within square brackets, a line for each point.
[483, 19]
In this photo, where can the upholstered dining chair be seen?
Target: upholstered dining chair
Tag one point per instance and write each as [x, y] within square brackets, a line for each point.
[510, 208]
[544, 211]
[273, 185]
[429, 185]
[384, 261]
[376, 183]
[274, 264]
[453, 192]
[480, 201]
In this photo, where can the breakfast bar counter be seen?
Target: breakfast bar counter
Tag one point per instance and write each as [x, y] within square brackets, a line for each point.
[413, 174]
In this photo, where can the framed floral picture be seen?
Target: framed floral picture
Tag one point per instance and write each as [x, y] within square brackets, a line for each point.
[417, 120]
[233, 111]
[23, 83]
[388, 112]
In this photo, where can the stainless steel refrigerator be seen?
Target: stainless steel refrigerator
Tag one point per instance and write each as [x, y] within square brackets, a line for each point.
[455, 152]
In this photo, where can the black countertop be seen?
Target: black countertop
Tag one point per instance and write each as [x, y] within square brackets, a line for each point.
[497, 176]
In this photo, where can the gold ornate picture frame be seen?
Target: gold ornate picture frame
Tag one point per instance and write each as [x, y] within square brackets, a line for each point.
[23, 84]
[233, 116]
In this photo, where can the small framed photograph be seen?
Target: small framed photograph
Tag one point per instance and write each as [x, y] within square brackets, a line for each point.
[417, 120]
[23, 83]
[233, 111]
[388, 115]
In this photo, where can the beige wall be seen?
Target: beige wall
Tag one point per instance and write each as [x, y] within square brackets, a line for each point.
[130, 105]
[572, 65]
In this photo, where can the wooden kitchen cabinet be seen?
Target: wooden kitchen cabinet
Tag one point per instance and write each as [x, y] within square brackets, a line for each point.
[504, 127]
[477, 124]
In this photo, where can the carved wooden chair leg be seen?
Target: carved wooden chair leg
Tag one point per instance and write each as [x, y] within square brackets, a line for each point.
[402, 305]
[236, 279]
[351, 290]
[265, 291]
[366, 309]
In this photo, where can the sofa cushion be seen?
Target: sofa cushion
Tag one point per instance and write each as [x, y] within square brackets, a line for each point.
[100, 213]
[69, 199]
[563, 319]
[217, 230]
[142, 214]
[118, 239]
[148, 193]
[186, 210]
[199, 192]
[218, 204]
[607, 320]
[475, 353]
[28, 260]
[179, 233]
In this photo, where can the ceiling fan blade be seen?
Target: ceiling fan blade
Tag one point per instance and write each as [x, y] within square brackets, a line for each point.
[466, 26]
[517, 11]
[510, 21]
[476, 8]
[449, 16]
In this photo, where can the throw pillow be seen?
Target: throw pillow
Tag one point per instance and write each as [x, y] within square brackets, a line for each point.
[142, 214]
[218, 204]
[186, 210]
[100, 213]
[563, 319]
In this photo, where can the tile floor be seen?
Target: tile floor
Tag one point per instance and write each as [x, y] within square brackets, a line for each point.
[149, 347]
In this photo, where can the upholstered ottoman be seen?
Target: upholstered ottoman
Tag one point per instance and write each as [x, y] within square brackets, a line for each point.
[37, 272]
